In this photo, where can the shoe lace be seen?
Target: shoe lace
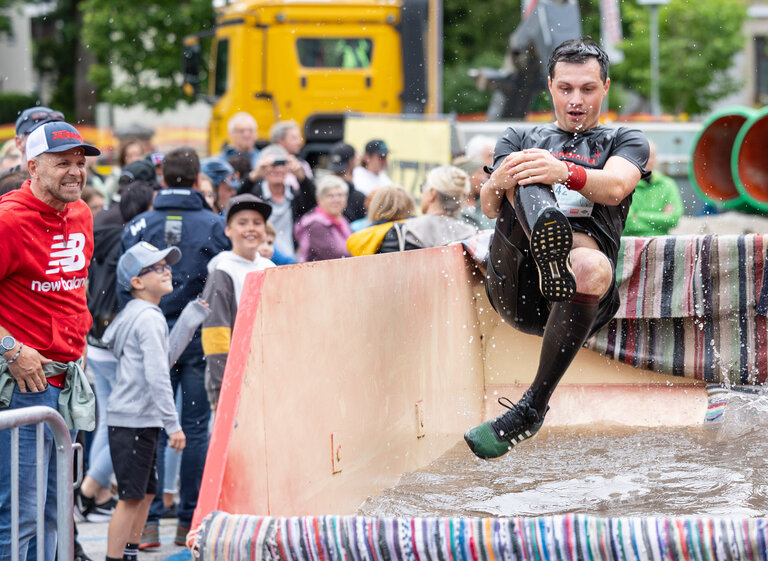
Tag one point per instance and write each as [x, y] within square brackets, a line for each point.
[518, 417]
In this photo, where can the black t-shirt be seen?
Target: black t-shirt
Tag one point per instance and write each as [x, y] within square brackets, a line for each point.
[590, 149]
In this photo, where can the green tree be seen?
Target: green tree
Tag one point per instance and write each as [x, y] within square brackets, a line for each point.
[5, 19]
[697, 42]
[55, 56]
[475, 34]
[139, 52]
[698, 39]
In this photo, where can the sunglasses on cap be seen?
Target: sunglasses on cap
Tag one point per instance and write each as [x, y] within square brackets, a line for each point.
[45, 115]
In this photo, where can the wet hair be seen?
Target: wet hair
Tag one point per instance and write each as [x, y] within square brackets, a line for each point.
[180, 167]
[135, 198]
[579, 51]
[10, 181]
[391, 202]
[328, 182]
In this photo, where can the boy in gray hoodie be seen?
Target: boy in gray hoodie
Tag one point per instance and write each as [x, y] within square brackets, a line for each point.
[141, 401]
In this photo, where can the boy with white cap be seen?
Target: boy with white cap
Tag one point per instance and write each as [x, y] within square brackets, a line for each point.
[142, 400]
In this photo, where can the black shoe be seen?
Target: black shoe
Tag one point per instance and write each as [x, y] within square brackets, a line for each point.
[551, 242]
[86, 509]
[80, 555]
[170, 512]
[497, 437]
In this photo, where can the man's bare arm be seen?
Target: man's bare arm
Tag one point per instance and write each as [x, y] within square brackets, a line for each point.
[607, 186]
[496, 187]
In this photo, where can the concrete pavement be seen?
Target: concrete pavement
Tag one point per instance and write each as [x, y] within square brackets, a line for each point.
[93, 538]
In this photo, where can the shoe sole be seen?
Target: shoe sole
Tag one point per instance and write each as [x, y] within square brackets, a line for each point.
[551, 243]
[149, 545]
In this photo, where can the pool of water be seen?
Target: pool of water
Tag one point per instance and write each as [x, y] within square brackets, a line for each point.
[709, 470]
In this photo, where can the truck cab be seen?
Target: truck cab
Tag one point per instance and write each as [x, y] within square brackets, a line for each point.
[312, 61]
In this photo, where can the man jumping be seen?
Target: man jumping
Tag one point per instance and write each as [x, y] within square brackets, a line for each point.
[560, 193]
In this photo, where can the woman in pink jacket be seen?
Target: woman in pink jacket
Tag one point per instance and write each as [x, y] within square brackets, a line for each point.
[322, 233]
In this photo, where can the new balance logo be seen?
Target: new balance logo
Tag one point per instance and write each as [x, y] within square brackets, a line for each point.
[67, 256]
[58, 285]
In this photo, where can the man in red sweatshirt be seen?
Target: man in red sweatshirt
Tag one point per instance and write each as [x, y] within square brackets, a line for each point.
[47, 234]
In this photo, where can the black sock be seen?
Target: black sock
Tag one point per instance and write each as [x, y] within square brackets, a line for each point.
[131, 552]
[114, 558]
[568, 327]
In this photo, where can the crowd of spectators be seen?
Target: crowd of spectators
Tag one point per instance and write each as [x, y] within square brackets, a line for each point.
[242, 210]
[248, 209]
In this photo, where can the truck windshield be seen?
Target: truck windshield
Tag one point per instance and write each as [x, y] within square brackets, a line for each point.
[343, 52]
[222, 60]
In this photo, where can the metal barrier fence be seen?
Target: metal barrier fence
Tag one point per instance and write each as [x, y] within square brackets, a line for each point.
[13, 419]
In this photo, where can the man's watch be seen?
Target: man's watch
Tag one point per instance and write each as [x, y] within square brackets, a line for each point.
[7, 343]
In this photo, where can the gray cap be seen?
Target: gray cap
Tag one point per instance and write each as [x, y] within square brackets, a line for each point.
[141, 256]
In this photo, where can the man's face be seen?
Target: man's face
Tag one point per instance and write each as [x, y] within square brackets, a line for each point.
[276, 173]
[243, 135]
[58, 178]
[577, 94]
[293, 141]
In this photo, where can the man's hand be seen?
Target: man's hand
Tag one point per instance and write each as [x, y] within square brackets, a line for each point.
[261, 169]
[500, 184]
[503, 178]
[27, 370]
[536, 165]
[177, 441]
[294, 166]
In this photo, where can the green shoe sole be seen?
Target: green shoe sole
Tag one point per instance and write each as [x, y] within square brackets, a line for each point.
[483, 442]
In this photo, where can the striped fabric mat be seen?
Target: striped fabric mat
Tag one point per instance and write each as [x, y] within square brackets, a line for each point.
[692, 306]
[225, 537]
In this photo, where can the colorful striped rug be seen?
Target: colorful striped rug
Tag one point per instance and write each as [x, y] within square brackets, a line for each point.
[692, 306]
[228, 537]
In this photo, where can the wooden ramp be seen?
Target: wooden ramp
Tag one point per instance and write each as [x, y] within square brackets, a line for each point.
[344, 374]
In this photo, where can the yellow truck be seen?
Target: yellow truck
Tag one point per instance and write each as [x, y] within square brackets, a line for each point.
[315, 61]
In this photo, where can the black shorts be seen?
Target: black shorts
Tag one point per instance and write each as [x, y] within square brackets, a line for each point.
[512, 280]
[134, 458]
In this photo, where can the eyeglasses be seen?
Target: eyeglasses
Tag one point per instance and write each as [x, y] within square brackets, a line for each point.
[158, 268]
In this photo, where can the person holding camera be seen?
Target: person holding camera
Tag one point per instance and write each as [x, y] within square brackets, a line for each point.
[268, 182]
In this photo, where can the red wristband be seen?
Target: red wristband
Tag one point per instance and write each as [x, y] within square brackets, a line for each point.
[577, 177]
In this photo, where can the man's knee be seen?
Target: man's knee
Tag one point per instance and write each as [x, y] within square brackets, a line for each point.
[593, 271]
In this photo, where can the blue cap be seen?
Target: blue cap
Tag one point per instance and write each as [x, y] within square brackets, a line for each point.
[220, 171]
[56, 137]
[141, 256]
[31, 117]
